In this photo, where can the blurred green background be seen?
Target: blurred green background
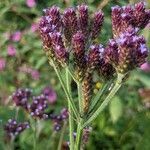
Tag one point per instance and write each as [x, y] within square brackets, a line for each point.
[125, 124]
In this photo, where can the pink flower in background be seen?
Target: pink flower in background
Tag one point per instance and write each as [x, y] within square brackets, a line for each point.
[2, 64]
[32, 72]
[30, 3]
[11, 50]
[34, 27]
[50, 94]
[145, 67]
[35, 74]
[16, 36]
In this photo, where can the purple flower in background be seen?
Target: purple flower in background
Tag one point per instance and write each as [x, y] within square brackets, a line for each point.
[16, 36]
[50, 94]
[38, 106]
[35, 74]
[2, 64]
[145, 67]
[11, 50]
[34, 27]
[12, 128]
[30, 3]
[21, 97]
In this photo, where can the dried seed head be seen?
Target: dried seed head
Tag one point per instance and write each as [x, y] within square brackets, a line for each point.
[87, 91]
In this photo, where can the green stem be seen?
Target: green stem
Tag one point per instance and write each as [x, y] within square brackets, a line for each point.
[79, 135]
[106, 101]
[62, 136]
[65, 90]
[35, 130]
[17, 112]
[98, 96]
[11, 147]
[71, 122]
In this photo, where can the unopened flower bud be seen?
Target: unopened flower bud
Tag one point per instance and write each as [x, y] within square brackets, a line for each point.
[69, 23]
[83, 18]
[78, 43]
[97, 24]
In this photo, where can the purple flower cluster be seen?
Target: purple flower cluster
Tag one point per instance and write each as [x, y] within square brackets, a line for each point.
[59, 119]
[34, 105]
[50, 94]
[69, 39]
[70, 32]
[12, 128]
[21, 97]
[136, 16]
[127, 52]
[38, 106]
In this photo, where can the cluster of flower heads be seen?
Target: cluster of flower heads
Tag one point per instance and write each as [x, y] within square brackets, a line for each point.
[12, 128]
[69, 40]
[37, 106]
[66, 37]
[58, 120]
[136, 16]
[127, 50]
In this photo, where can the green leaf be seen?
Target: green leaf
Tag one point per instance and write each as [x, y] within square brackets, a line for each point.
[115, 109]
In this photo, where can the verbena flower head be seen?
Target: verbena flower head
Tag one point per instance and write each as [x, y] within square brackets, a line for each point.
[50, 94]
[127, 52]
[136, 16]
[59, 119]
[70, 33]
[38, 106]
[21, 97]
[12, 128]
[34, 105]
